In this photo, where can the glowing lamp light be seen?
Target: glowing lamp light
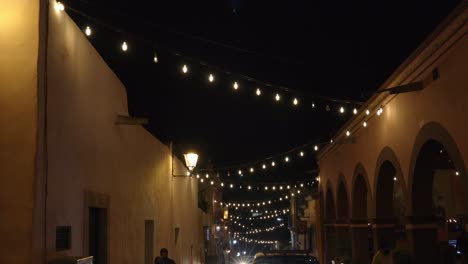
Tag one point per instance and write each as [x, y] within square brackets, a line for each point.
[316, 148]
[273, 163]
[313, 105]
[286, 159]
[191, 160]
[211, 78]
[277, 97]
[124, 46]
[249, 187]
[295, 101]
[207, 176]
[348, 133]
[380, 111]
[235, 86]
[342, 110]
[155, 58]
[457, 173]
[258, 92]
[394, 178]
[201, 180]
[355, 111]
[240, 172]
[364, 124]
[264, 166]
[232, 186]
[367, 112]
[59, 6]
[331, 141]
[184, 69]
[88, 31]
[301, 153]
[251, 169]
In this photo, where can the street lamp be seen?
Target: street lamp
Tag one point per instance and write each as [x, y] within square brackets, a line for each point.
[190, 158]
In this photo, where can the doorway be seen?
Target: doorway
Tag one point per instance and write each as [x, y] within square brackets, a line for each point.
[98, 234]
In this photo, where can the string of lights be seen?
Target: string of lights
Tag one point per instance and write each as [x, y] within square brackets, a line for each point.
[238, 80]
[261, 217]
[255, 241]
[260, 230]
[267, 187]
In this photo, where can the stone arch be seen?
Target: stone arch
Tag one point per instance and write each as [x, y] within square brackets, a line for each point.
[430, 136]
[342, 200]
[435, 157]
[360, 213]
[387, 172]
[330, 209]
[361, 194]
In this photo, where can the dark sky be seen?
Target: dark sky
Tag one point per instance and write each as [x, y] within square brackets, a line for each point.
[340, 49]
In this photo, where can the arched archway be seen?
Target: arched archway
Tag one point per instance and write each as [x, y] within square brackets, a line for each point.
[330, 219]
[390, 201]
[360, 230]
[343, 243]
[438, 184]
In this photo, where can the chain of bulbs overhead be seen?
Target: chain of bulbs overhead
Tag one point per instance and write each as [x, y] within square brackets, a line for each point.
[249, 187]
[260, 230]
[262, 217]
[250, 240]
[60, 7]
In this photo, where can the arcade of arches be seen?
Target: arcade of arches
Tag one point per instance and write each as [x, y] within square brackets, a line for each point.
[401, 181]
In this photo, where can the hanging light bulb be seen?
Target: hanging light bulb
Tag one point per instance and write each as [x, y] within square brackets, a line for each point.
[331, 141]
[88, 31]
[201, 180]
[354, 111]
[277, 97]
[59, 6]
[313, 105]
[342, 110]
[364, 124]
[211, 78]
[240, 172]
[316, 148]
[367, 112]
[380, 111]
[295, 101]
[249, 187]
[266, 188]
[348, 133]
[184, 69]
[251, 169]
[212, 182]
[273, 163]
[207, 176]
[258, 92]
[301, 153]
[124, 46]
[286, 159]
[231, 185]
[264, 166]
[235, 86]
[198, 176]
[222, 184]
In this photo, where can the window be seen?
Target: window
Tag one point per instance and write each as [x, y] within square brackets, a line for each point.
[62, 238]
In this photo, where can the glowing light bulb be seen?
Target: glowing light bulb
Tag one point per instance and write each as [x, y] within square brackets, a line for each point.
[301, 153]
[342, 110]
[124, 46]
[88, 31]
[457, 173]
[295, 101]
[249, 187]
[59, 6]
[348, 133]
[354, 111]
[235, 86]
[364, 124]
[264, 166]
[274, 188]
[273, 163]
[380, 111]
[232, 185]
[266, 188]
[212, 182]
[207, 176]
[394, 178]
[313, 105]
[258, 92]
[281, 187]
[316, 148]
[286, 159]
[277, 97]
[222, 184]
[188, 173]
[201, 180]
[240, 172]
[251, 169]
[367, 112]
[331, 141]
[184, 69]
[155, 58]
[211, 78]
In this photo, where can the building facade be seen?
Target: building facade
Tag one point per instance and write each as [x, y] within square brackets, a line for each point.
[75, 181]
[397, 174]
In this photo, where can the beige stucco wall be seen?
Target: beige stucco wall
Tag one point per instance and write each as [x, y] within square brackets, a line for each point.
[443, 101]
[19, 23]
[89, 152]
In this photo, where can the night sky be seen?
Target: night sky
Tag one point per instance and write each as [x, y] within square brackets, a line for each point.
[339, 49]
